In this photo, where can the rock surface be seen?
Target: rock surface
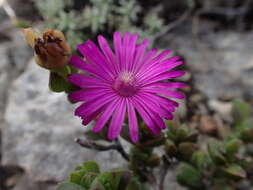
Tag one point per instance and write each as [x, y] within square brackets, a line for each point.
[40, 131]
[14, 55]
[221, 63]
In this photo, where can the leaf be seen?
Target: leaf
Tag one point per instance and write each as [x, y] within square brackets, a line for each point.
[234, 171]
[76, 176]
[70, 186]
[183, 132]
[91, 166]
[57, 83]
[96, 185]
[247, 134]
[107, 180]
[178, 134]
[186, 149]
[233, 145]
[216, 152]
[114, 180]
[153, 161]
[200, 159]
[190, 177]
[170, 148]
[240, 112]
[133, 185]
[87, 179]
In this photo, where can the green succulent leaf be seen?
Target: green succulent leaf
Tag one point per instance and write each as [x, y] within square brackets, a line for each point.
[241, 112]
[154, 161]
[190, 177]
[234, 171]
[87, 179]
[233, 146]
[199, 159]
[216, 152]
[246, 132]
[133, 185]
[96, 185]
[57, 83]
[186, 149]
[90, 166]
[76, 176]
[170, 148]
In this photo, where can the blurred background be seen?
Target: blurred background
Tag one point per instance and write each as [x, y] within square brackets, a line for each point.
[37, 127]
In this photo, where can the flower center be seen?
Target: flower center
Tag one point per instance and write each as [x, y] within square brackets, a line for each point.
[125, 84]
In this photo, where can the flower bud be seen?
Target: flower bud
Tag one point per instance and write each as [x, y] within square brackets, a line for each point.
[52, 52]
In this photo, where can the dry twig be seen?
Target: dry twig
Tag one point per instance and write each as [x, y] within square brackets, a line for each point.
[100, 147]
[163, 172]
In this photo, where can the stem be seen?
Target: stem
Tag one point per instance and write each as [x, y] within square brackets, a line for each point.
[121, 150]
[100, 147]
[163, 172]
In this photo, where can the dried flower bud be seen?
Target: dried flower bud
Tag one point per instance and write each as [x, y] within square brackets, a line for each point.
[51, 50]
[30, 36]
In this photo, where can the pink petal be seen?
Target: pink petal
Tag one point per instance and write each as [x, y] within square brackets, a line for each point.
[151, 107]
[146, 117]
[88, 95]
[154, 61]
[167, 85]
[93, 105]
[93, 54]
[117, 120]
[164, 76]
[77, 96]
[166, 92]
[87, 119]
[132, 122]
[162, 100]
[158, 106]
[125, 44]
[108, 52]
[85, 81]
[105, 116]
[158, 69]
[130, 49]
[117, 40]
[87, 67]
[139, 54]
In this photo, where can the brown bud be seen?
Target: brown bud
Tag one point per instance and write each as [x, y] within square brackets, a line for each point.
[51, 50]
[30, 36]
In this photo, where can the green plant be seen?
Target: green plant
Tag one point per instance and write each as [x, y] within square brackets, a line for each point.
[97, 16]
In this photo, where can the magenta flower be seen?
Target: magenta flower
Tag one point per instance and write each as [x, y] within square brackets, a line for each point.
[117, 84]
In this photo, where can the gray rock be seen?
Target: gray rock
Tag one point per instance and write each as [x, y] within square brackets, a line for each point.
[170, 181]
[221, 63]
[27, 183]
[15, 55]
[41, 128]
[3, 76]
[224, 109]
